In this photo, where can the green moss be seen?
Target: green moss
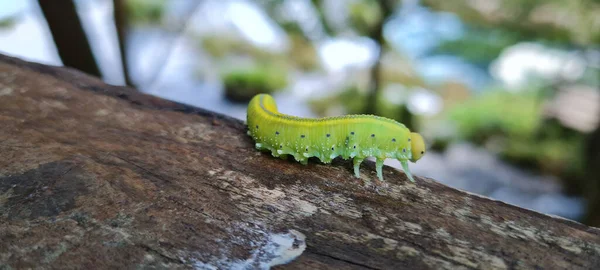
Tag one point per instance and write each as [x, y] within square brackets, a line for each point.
[219, 46]
[241, 85]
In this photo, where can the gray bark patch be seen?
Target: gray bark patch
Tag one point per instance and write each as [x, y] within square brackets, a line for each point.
[45, 191]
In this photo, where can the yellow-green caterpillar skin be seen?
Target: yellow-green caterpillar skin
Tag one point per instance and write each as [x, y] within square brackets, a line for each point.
[351, 136]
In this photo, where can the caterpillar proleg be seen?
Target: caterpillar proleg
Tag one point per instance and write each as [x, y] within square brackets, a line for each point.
[351, 136]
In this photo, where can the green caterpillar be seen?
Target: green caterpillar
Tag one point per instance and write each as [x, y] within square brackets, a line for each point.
[351, 136]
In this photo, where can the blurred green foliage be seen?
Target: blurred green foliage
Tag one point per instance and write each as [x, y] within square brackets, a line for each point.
[550, 151]
[364, 16]
[484, 45]
[351, 100]
[7, 22]
[511, 125]
[320, 7]
[302, 53]
[143, 12]
[497, 112]
[563, 21]
[241, 85]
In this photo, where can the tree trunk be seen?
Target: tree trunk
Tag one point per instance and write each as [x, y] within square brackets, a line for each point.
[121, 24]
[592, 183]
[68, 35]
[103, 177]
[387, 9]
[319, 7]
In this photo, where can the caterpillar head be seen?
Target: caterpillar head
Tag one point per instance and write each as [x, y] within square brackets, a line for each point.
[417, 146]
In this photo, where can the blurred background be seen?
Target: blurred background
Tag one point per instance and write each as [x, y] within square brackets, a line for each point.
[506, 93]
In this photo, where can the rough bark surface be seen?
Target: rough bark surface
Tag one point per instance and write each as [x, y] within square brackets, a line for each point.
[98, 176]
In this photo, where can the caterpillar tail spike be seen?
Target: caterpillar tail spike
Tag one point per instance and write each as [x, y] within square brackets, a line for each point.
[350, 136]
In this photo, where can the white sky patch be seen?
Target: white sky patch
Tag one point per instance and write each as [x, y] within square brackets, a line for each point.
[338, 54]
[441, 68]
[10, 8]
[98, 21]
[416, 30]
[29, 38]
[520, 63]
[255, 25]
[304, 13]
[395, 93]
[425, 102]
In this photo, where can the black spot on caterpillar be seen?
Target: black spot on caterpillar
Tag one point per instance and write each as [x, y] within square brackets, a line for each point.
[328, 138]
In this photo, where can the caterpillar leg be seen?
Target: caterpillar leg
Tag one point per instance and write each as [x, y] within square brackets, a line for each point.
[406, 170]
[303, 160]
[279, 154]
[379, 168]
[282, 156]
[357, 162]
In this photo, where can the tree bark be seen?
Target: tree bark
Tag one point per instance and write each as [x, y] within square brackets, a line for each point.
[68, 35]
[99, 176]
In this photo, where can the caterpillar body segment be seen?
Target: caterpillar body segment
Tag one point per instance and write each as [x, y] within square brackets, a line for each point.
[351, 136]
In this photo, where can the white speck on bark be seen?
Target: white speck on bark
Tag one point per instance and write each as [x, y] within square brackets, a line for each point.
[5, 91]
